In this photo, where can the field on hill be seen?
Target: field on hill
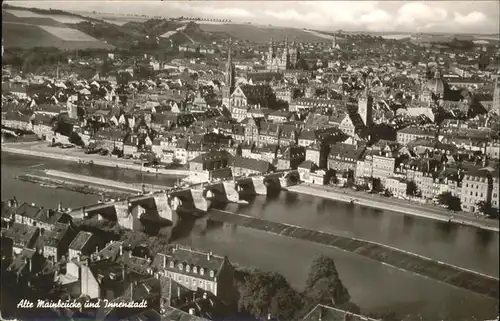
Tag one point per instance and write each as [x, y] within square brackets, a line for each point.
[27, 36]
[255, 33]
[26, 29]
[61, 18]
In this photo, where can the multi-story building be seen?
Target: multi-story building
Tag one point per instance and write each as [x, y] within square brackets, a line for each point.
[198, 270]
[397, 186]
[495, 190]
[383, 166]
[410, 134]
[244, 96]
[343, 157]
[426, 184]
[477, 186]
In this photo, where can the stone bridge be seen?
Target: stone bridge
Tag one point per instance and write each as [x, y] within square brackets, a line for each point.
[194, 198]
[243, 187]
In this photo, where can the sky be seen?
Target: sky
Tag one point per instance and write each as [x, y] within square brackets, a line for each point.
[376, 16]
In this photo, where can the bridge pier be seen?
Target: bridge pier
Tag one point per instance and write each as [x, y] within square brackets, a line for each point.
[259, 185]
[231, 191]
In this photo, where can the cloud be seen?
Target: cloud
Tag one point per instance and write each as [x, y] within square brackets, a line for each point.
[378, 20]
[393, 16]
[473, 18]
[417, 15]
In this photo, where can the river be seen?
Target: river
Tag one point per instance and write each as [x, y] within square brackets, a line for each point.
[373, 286]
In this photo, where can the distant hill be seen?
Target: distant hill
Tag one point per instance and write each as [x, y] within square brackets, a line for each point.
[28, 29]
[257, 33]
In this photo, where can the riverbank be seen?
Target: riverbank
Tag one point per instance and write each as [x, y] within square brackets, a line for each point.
[439, 271]
[40, 149]
[135, 188]
[394, 205]
[50, 182]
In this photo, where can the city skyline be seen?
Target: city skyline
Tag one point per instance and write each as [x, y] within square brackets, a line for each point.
[369, 16]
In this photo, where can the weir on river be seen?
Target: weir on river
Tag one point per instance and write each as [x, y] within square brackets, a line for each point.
[439, 271]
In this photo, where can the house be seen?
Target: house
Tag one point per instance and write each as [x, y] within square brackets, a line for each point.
[28, 266]
[102, 279]
[252, 96]
[22, 235]
[397, 186]
[477, 186]
[83, 244]
[344, 157]
[198, 270]
[309, 173]
[40, 217]
[307, 138]
[248, 166]
[56, 242]
[410, 134]
[292, 157]
[211, 165]
[383, 166]
[27, 213]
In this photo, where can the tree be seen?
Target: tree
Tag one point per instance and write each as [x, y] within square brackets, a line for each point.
[452, 202]
[377, 185]
[262, 293]
[284, 303]
[75, 139]
[411, 189]
[323, 283]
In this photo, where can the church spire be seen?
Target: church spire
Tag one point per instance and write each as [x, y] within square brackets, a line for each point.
[229, 67]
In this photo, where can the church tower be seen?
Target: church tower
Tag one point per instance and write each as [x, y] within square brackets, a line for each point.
[230, 79]
[294, 55]
[365, 106]
[271, 54]
[285, 58]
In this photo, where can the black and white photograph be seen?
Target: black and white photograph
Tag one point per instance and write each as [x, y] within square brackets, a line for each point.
[177, 160]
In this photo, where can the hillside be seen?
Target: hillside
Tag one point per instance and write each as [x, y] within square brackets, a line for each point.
[27, 29]
[256, 33]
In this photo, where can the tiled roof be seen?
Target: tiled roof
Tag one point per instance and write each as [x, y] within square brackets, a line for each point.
[54, 236]
[345, 152]
[21, 234]
[212, 156]
[28, 210]
[80, 240]
[326, 313]
[251, 164]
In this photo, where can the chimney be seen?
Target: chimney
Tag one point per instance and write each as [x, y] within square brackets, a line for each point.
[164, 261]
[178, 292]
[191, 311]
[59, 207]
[209, 255]
[96, 249]
[30, 265]
[121, 249]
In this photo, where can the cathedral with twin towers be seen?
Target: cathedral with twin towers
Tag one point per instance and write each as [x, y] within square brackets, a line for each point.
[287, 58]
